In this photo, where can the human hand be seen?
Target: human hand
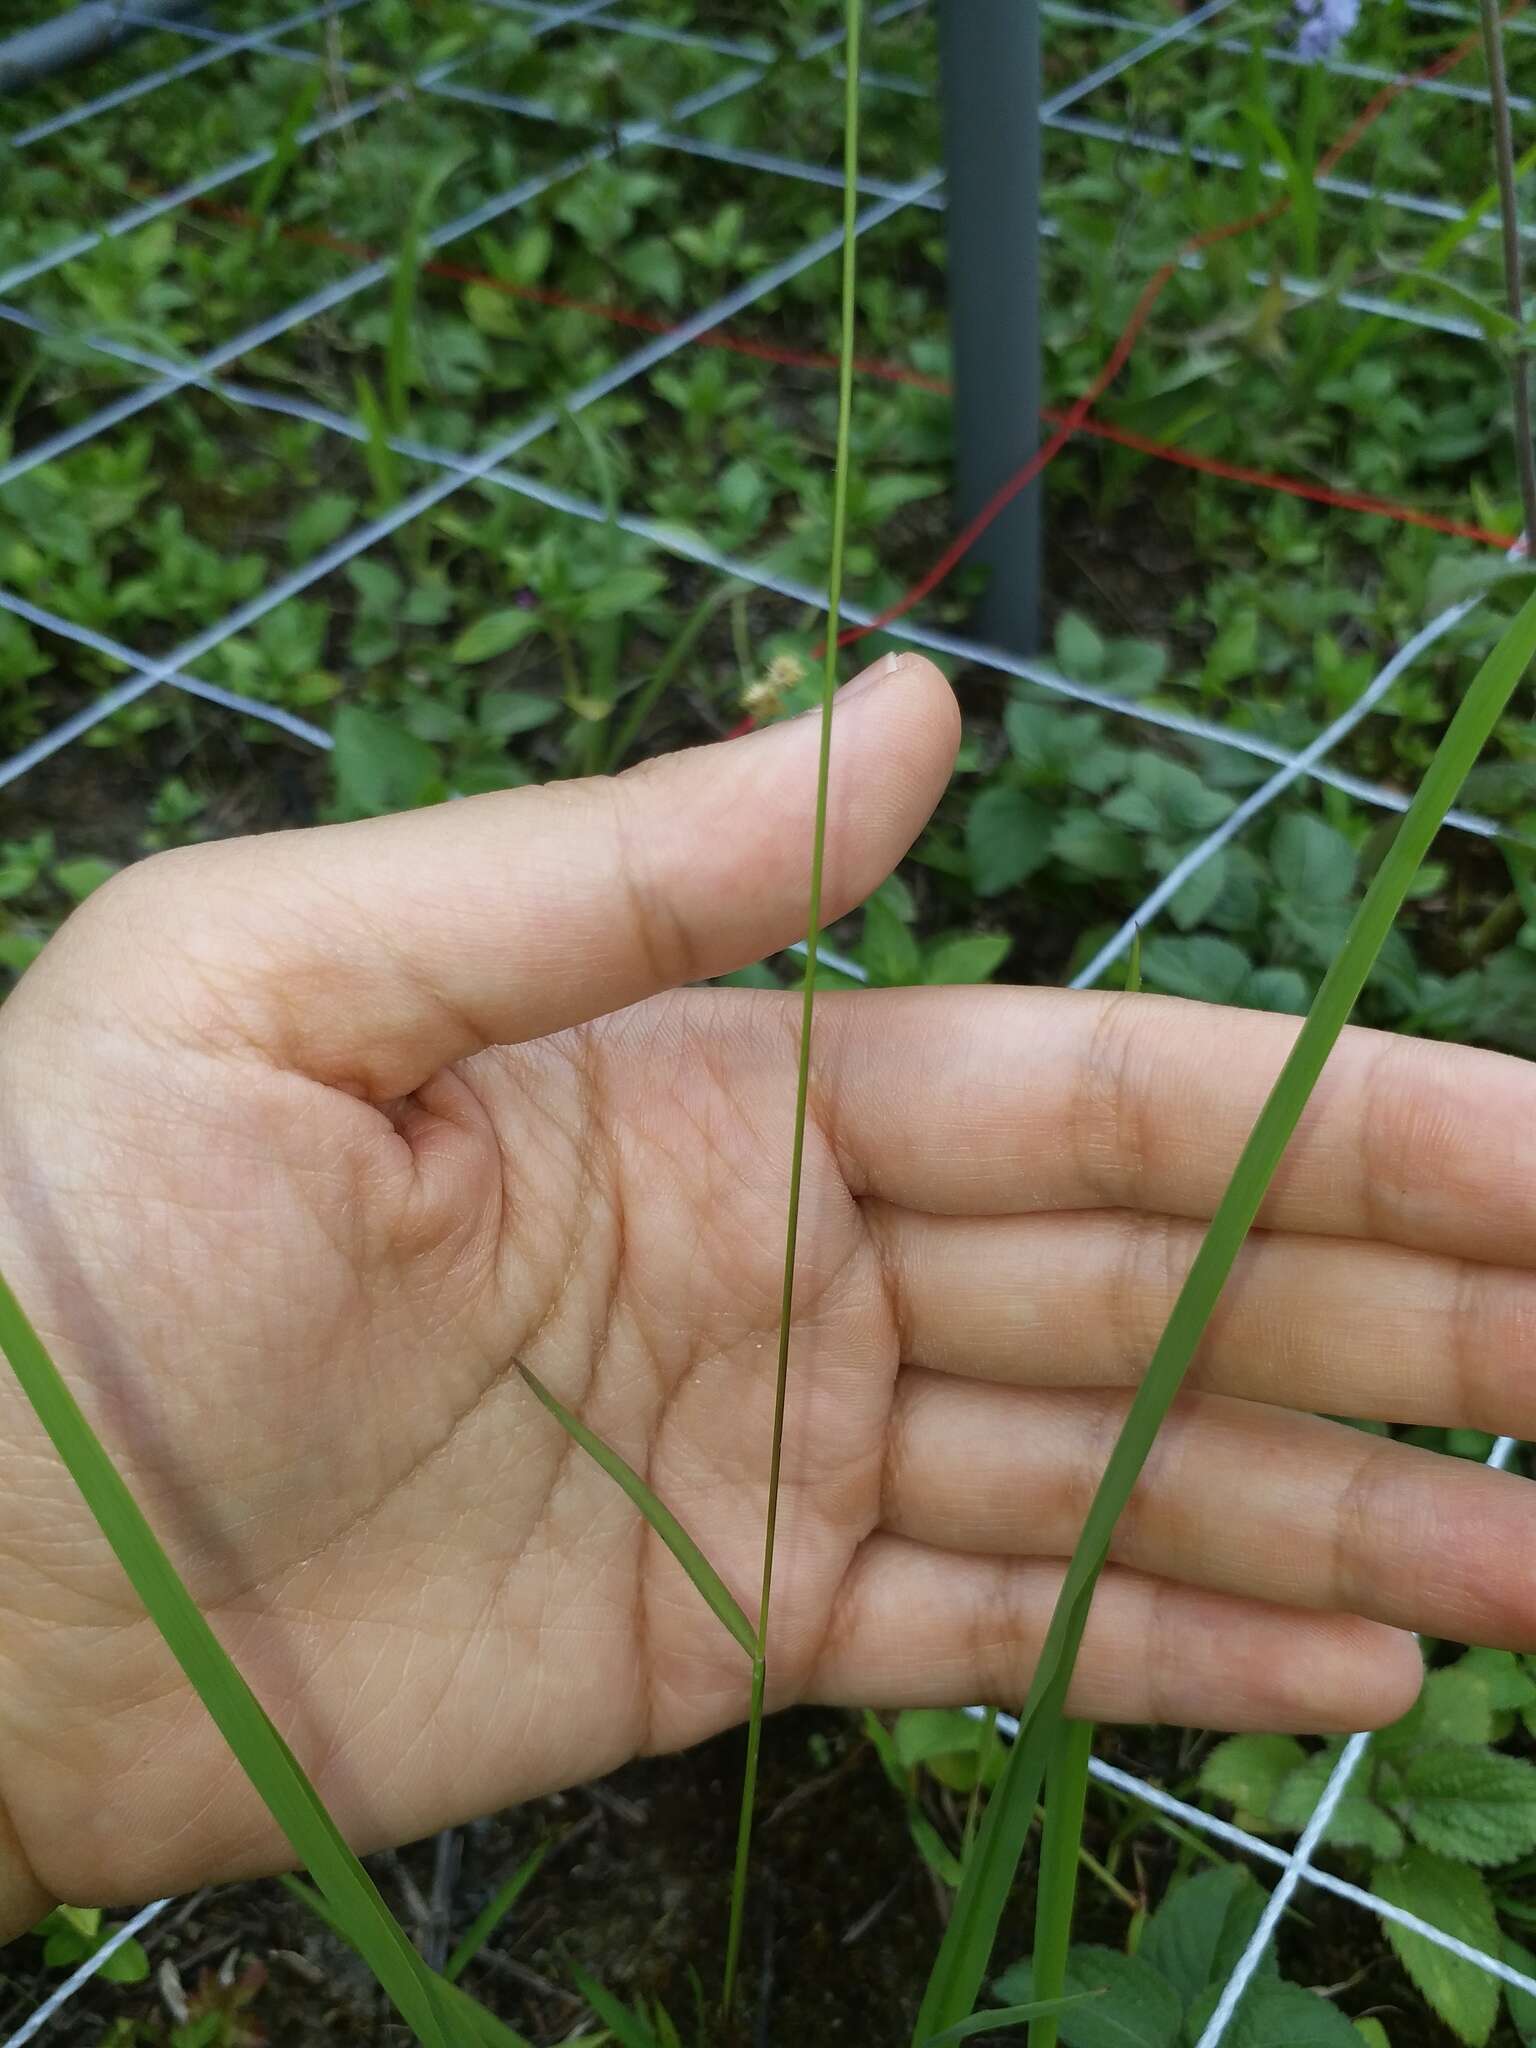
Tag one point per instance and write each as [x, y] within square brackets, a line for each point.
[309, 1139]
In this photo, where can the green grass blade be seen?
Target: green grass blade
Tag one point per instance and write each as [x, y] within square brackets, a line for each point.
[967, 1944]
[852, 25]
[241, 1719]
[630, 2029]
[1366, 333]
[712, 1588]
[1066, 1791]
[1006, 2016]
[472, 2021]
[486, 1922]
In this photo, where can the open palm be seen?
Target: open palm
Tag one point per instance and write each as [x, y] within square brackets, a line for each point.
[311, 1140]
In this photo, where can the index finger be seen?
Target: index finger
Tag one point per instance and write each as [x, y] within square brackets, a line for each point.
[998, 1101]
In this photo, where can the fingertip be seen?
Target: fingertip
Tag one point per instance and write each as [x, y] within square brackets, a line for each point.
[1348, 1674]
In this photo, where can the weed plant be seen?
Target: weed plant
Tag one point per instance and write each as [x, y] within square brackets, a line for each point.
[519, 652]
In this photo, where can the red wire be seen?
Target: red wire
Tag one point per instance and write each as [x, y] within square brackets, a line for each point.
[1076, 417]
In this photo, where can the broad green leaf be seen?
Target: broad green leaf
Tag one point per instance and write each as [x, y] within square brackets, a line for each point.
[887, 948]
[1476, 1805]
[1455, 1899]
[1086, 841]
[496, 633]
[1522, 2004]
[1132, 2006]
[78, 878]
[1196, 897]
[241, 1719]
[1208, 969]
[970, 957]
[1464, 1701]
[944, 1740]
[504, 713]
[1311, 861]
[623, 590]
[323, 519]
[379, 767]
[712, 1589]
[999, 1846]
[1008, 837]
[1275, 2014]
[1248, 1771]
[1079, 648]
[1357, 1822]
[1201, 1929]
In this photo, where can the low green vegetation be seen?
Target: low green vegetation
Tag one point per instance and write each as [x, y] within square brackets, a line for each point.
[492, 641]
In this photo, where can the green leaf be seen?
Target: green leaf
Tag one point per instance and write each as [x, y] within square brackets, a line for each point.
[712, 1589]
[1275, 2014]
[1473, 1804]
[1134, 2007]
[629, 2029]
[264, 1756]
[1208, 969]
[1194, 900]
[1008, 837]
[1248, 1771]
[621, 591]
[325, 518]
[491, 1915]
[378, 767]
[1196, 1936]
[1079, 648]
[1311, 861]
[944, 1740]
[999, 1844]
[496, 633]
[972, 957]
[999, 2019]
[505, 713]
[1373, 2033]
[77, 878]
[1455, 1899]
[1357, 1821]
[1084, 840]
[887, 948]
[1522, 2005]
[1465, 1701]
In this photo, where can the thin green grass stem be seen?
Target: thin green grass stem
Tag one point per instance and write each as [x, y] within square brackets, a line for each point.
[711, 1587]
[852, 25]
[266, 1759]
[1066, 1792]
[967, 1946]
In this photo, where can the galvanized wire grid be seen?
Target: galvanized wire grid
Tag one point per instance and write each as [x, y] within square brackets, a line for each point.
[447, 470]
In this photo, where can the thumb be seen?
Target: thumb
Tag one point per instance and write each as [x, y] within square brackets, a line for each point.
[370, 955]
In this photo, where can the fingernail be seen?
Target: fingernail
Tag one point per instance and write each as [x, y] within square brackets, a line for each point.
[877, 673]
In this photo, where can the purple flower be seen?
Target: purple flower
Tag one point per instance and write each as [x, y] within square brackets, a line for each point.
[1324, 24]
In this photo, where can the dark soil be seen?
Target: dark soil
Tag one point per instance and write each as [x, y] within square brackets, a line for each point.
[844, 1917]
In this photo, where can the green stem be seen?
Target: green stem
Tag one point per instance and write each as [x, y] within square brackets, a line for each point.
[1509, 218]
[983, 1896]
[643, 701]
[984, 1753]
[1066, 1790]
[852, 17]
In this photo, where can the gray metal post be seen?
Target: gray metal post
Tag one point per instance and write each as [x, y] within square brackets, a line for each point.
[72, 37]
[990, 51]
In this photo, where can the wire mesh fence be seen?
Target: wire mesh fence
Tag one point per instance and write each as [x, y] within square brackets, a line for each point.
[563, 139]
